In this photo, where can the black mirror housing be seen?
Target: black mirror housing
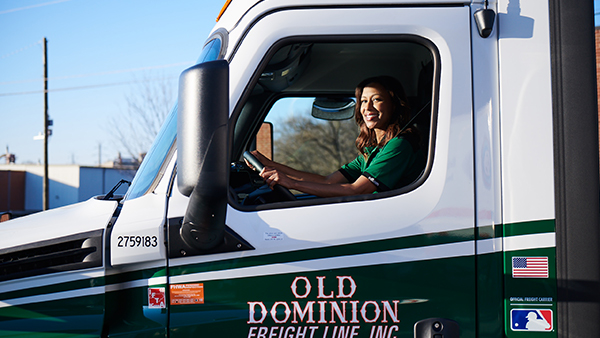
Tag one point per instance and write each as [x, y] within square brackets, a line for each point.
[202, 161]
[202, 116]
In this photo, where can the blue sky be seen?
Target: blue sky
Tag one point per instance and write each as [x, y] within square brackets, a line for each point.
[97, 49]
[596, 10]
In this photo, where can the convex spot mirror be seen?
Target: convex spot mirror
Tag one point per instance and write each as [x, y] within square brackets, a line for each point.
[333, 109]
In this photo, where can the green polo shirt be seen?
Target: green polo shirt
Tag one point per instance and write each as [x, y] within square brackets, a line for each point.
[391, 167]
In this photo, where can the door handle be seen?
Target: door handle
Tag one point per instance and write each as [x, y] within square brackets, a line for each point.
[437, 328]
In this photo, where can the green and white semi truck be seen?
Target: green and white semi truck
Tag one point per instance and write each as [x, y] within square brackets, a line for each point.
[498, 237]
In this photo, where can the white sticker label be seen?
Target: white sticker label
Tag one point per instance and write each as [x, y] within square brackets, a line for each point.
[274, 236]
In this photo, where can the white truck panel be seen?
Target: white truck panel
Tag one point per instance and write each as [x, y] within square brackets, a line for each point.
[90, 215]
[142, 218]
[526, 106]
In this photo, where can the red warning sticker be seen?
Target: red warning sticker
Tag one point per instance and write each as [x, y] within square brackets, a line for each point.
[156, 298]
[185, 294]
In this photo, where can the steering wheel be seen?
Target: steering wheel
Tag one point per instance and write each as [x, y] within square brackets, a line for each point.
[285, 192]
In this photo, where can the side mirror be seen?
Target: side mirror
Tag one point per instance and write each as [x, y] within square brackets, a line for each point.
[202, 162]
[202, 115]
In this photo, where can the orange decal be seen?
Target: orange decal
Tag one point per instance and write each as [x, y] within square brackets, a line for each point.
[185, 294]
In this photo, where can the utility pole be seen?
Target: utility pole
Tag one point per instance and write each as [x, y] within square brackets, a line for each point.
[46, 199]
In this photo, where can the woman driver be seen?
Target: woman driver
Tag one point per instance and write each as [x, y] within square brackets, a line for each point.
[389, 156]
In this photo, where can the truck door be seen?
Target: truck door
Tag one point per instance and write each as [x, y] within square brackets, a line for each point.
[358, 266]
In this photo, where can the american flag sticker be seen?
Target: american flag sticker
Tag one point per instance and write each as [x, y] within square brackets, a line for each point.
[530, 267]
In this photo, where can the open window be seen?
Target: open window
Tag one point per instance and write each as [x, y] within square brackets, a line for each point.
[299, 109]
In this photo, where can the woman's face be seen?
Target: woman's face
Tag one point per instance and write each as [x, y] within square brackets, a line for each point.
[376, 107]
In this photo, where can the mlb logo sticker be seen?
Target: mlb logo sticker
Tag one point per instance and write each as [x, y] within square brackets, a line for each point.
[531, 320]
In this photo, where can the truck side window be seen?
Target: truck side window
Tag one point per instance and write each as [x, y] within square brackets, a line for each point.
[305, 92]
[307, 143]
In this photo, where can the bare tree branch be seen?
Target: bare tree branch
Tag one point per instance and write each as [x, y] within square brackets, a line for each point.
[148, 104]
[315, 146]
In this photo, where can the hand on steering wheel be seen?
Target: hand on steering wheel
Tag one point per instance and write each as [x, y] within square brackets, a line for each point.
[258, 166]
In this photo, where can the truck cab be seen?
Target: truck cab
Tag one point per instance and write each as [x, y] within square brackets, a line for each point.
[476, 246]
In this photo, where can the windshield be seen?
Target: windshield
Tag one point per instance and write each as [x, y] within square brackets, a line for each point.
[153, 166]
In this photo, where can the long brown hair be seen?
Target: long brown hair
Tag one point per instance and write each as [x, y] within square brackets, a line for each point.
[399, 119]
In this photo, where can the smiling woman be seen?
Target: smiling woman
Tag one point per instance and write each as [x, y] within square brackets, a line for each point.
[376, 107]
[391, 157]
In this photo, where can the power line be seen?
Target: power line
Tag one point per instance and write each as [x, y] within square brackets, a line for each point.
[88, 87]
[32, 6]
[112, 72]
[20, 50]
